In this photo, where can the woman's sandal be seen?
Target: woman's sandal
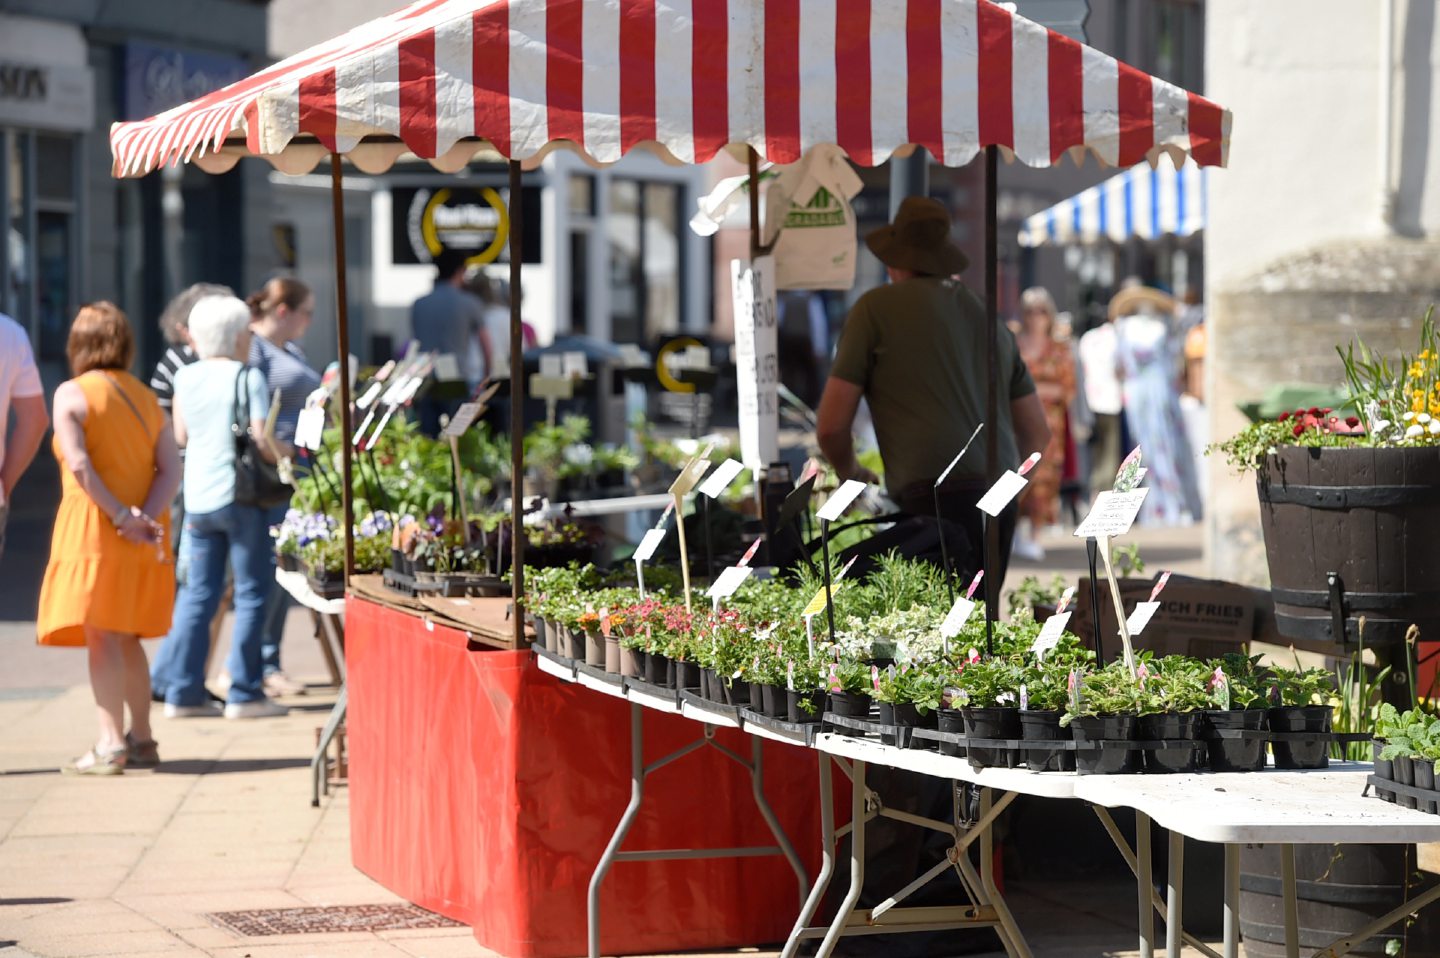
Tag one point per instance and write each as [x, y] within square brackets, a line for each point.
[96, 762]
[141, 754]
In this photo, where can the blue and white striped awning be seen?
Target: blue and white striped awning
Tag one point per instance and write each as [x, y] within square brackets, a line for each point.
[1142, 202]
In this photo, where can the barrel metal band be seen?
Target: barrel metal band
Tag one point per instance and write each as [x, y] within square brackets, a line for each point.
[1346, 497]
[1354, 601]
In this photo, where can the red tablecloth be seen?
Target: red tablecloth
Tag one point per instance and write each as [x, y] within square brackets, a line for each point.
[485, 790]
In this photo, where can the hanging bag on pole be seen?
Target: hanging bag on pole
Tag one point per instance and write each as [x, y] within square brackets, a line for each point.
[257, 480]
[808, 205]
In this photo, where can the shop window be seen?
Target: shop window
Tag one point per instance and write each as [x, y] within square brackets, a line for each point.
[662, 259]
[582, 196]
[626, 276]
[55, 168]
[643, 229]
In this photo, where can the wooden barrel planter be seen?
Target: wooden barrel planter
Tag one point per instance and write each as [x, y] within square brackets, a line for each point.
[1339, 889]
[1352, 533]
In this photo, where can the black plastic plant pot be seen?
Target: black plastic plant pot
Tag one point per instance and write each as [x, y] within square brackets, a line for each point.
[657, 668]
[1425, 778]
[574, 645]
[1171, 726]
[595, 649]
[904, 715]
[950, 720]
[887, 718]
[850, 705]
[992, 723]
[398, 562]
[736, 693]
[1110, 760]
[708, 691]
[687, 675]
[1045, 727]
[541, 633]
[1384, 769]
[1233, 754]
[290, 562]
[1301, 753]
[772, 701]
[1405, 775]
[795, 710]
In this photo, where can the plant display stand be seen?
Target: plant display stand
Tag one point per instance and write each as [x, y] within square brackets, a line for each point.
[330, 624]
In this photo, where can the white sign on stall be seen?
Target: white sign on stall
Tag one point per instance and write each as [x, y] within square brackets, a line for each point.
[757, 368]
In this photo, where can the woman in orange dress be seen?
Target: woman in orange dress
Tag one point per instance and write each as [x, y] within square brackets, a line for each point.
[110, 581]
[1052, 366]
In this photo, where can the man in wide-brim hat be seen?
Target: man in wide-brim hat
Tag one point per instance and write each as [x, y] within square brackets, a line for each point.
[915, 350]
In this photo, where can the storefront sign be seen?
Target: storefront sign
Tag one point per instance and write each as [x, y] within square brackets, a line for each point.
[475, 220]
[157, 79]
[45, 96]
[756, 360]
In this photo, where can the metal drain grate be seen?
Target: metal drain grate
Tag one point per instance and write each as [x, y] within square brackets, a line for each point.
[258, 922]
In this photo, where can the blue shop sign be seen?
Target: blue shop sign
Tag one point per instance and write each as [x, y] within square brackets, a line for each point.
[157, 79]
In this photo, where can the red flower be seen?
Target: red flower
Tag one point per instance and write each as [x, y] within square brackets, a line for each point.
[1314, 410]
[1352, 421]
[1299, 428]
[1327, 411]
[1283, 417]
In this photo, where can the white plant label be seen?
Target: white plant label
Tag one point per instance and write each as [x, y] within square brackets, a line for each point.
[1112, 514]
[721, 478]
[959, 614]
[728, 581]
[552, 365]
[574, 364]
[310, 427]
[693, 472]
[371, 394]
[463, 419]
[1144, 612]
[1007, 487]
[836, 505]
[648, 544]
[1050, 633]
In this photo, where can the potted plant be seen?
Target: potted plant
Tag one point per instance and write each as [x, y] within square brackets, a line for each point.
[324, 563]
[1409, 745]
[991, 709]
[1299, 707]
[1173, 696]
[1235, 714]
[1044, 694]
[909, 697]
[848, 682]
[804, 691]
[1102, 708]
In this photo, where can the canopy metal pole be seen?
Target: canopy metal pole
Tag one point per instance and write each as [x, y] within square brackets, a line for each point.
[517, 411]
[342, 335]
[753, 162]
[992, 396]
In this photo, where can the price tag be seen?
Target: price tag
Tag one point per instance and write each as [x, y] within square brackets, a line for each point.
[721, 478]
[1112, 514]
[1144, 612]
[310, 427]
[648, 544]
[371, 394]
[463, 419]
[1007, 487]
[1050, 633]
[959, 614]
[840, 500]
[573, 364]
[728, 581]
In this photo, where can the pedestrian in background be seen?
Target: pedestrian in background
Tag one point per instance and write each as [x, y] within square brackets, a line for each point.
[109, 581]
[20, 391]
[207, 393]
[1053, 370]
[281, 312]
[1100, 373]
[446, 321]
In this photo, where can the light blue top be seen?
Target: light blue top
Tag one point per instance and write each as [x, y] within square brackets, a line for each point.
[205, 396]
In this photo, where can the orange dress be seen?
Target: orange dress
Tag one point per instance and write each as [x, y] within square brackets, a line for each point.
[94, 576]
[1055, 367]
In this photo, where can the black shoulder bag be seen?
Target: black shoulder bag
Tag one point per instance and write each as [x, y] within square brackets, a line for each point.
[257, 480]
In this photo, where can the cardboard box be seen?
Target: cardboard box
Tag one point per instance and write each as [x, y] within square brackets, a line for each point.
[1203, 618]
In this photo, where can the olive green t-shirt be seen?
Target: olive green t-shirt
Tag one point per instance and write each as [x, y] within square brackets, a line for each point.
[917, 348]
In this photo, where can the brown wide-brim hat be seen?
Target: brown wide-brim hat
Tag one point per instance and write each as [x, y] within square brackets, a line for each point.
[1131, 299]
[919, 239]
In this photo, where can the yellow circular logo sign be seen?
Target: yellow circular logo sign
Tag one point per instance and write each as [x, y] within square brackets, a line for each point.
[448, 222]
[662, 369]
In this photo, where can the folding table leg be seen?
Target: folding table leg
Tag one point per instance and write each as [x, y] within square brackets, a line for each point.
[857, 862]
[827, 858]
[318, 783]
[1144, 881]
[1013, 941]
[607, 858]
[757, 787]
[1232, 901]
[1174, 909]
[1292, 912]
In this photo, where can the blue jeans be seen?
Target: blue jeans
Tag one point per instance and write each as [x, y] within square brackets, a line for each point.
[275, 607]
[240, 534]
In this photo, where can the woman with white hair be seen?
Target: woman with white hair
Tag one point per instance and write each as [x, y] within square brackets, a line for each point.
[216, 526]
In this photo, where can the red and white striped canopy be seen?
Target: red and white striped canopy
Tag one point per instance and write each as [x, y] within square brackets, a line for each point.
[444, 79]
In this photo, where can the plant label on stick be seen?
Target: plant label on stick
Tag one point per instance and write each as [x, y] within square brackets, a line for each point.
[840, 500]
[1065, 598]
[958, 456]
[648, 544]
[728, 581]
[817, 605]
[690, 475]
[552, 365]
[1160, 585]
[959, 614]
[1112, 514]
[750, 552]
[1006, 488]
[310, 427]
[1144, 612]
[1050, 633]
[371, 394]
[1127, 479]
[721, 478]
[463, 419]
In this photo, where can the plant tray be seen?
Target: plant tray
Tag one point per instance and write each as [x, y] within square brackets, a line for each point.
[327, 588]
[869, 727]
[719, 709]
[803, 733]
[654, 691]
[1428, 799]
[409, 584]
[599, 674]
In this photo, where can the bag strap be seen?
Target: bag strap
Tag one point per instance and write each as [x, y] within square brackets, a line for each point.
[128, 401]
[241, 406]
